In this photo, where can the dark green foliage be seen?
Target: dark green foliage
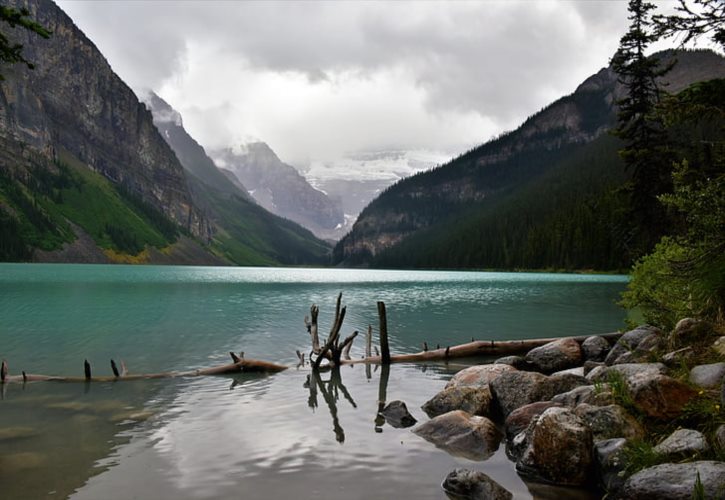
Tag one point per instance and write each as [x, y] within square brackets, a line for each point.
[249, 235]
[37, 204]
[569, 218]
[685, 275]
[10, 52]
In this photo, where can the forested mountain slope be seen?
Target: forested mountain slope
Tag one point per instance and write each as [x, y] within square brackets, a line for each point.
[547, 147]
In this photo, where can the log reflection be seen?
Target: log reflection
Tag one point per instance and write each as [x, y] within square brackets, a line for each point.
[331, 390]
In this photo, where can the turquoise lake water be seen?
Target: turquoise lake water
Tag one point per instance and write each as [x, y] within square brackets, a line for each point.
[276, 436]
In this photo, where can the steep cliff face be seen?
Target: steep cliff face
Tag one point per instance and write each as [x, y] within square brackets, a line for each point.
[515, 158]
[73, 102]
[280, 188]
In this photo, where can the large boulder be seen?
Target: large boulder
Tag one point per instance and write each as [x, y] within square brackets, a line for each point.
[517, 362]
[682, 442]
[516, 389]
[577, 370]
[520, 418]
[720, 436]
[610, 462]
[708, 376]
[599, 395]
[689, 330]
[465, 484]
[473, 400]
[607, 422]
[397, 415]
[676, 358]
[595, 348]
[676, 481]
[660, 396]
[462, 434]
[719, 346]
[629, 342]
[627, 371]
[478, 376]
[558, 449]
[555, 356]
[652, 392]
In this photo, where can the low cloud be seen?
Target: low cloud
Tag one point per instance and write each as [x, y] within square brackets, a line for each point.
[315, 80]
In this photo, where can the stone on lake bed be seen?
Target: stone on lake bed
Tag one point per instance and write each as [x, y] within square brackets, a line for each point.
[478, 376]
[473, 400]
[708, 376]
[397, 415]
[12, 433]
[132, 416]
[23, 460]
[676, 481]
[462, 434]
[465, 484]
[555, 356]
[682, 442]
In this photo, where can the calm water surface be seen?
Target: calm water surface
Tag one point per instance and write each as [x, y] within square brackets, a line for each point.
[280, 436]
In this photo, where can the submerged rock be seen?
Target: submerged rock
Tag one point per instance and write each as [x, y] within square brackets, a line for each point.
[478, 376]
[555, 356]
[13, 433]
[465, 484]
[558, 449]
[682, 442]
[462, 434]
[397, 415]
[473, 400]
[708, 376]
[595, 348]
[676, 481]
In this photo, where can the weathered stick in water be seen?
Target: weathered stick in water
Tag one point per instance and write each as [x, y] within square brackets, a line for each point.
[384, 347]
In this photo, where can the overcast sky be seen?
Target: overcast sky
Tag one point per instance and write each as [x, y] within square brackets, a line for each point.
[316, 80]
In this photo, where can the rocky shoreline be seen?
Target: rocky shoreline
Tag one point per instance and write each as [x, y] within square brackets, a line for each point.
[640, 419]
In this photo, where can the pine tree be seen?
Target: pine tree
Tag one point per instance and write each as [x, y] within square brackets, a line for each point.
[644, 153]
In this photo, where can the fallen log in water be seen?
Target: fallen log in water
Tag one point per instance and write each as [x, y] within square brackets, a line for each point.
[240, 365]
[475, 348]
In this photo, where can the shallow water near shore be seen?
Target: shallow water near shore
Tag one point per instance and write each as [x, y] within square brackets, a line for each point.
[277, 436]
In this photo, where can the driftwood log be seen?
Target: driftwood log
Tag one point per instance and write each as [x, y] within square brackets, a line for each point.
[239, 365]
